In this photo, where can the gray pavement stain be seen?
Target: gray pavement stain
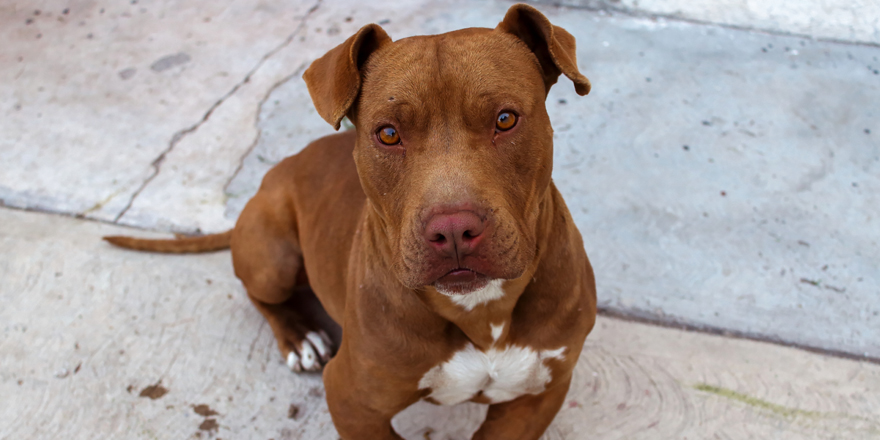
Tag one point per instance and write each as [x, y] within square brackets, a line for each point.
[127, 73]
[168, 61]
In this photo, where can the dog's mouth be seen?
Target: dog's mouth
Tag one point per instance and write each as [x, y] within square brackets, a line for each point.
[460, 281]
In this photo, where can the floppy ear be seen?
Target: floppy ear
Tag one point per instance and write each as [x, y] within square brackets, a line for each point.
[334, 80]
[553, 45]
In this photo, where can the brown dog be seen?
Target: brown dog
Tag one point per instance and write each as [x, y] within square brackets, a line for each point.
[432, 233]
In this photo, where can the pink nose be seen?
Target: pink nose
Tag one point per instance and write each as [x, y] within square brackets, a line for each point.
[455, 234]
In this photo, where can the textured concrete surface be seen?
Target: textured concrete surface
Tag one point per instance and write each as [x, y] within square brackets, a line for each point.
[856, 21]
[721, 177]
[93, 94]
[728, 179]
[99, 342]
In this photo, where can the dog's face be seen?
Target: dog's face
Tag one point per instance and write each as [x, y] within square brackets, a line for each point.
[441, 98]
[454, 147]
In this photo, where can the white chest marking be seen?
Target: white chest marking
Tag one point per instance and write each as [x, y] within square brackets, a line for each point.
[501, 374]
[491, 292]
[496, 331]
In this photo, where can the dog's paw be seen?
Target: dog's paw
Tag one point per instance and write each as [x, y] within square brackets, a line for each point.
[311, 353]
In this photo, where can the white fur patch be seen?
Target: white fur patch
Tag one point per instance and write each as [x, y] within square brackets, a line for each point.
[469, 301]
[558, 354]
[501, 375]
[496, 331]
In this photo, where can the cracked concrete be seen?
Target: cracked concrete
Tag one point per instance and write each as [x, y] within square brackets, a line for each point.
[84, 115]
[195, 193]
[235, 198]
[191, 190]
[673, 100]
[99, 342]
[286, 117]
[701, 160]
[180, 135]
[722, 178]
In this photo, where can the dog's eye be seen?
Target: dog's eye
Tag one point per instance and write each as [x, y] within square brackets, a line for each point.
[388, 136]
[505, 121]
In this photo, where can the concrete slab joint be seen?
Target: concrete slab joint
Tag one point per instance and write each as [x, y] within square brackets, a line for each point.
[821, 20]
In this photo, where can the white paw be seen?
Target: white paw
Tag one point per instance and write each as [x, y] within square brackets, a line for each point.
[314, 352]
[308, 358]
[293, 362]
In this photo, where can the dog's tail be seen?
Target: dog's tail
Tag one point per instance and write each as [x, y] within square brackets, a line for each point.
[181, 245]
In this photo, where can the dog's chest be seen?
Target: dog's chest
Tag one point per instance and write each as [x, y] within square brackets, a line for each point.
[501, 374]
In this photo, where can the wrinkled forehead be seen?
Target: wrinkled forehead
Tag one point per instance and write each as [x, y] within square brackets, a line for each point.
[462, 69]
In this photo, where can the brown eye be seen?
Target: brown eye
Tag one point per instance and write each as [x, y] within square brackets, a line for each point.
[505, 121]
[388, 136]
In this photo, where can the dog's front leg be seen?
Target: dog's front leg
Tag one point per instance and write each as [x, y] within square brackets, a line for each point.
[361, 405]
[524, 418]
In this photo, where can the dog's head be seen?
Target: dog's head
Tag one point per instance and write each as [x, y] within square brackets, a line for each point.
[454, 146]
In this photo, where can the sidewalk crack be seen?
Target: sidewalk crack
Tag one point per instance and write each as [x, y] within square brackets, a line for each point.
[178, 136]
[256, 140]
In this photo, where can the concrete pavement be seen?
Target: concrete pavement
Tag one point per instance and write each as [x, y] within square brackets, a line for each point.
[856, 21]
[723, 172]
[99, 342]
[722, 178]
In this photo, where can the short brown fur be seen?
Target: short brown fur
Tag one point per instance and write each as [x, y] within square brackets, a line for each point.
[346, 216]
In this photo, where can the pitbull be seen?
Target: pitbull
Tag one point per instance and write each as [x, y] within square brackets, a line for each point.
[432, 233]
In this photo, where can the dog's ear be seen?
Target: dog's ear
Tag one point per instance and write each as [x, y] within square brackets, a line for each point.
[334, 80]
[553, 45]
